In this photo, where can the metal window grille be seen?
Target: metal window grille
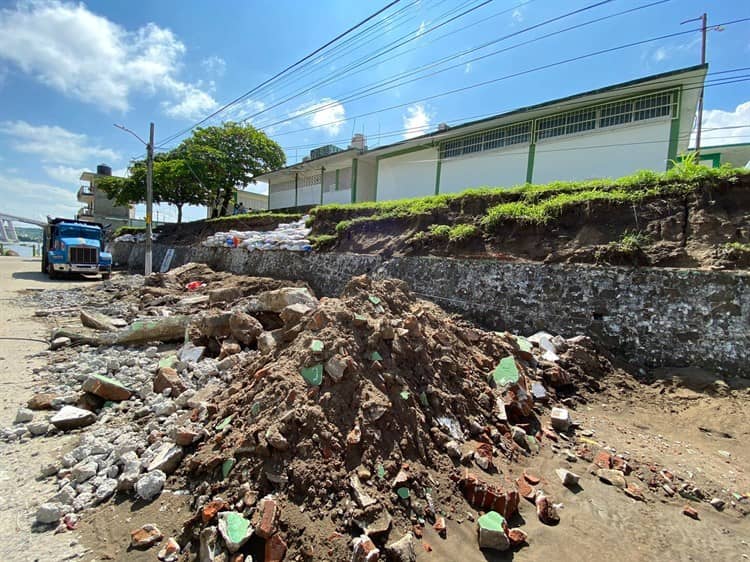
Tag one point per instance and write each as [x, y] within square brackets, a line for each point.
[309, 181]
[487, 140]
[80, 256]
[653, 106]
[617, 113]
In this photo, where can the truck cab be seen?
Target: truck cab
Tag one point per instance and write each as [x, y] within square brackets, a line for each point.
[71, 246]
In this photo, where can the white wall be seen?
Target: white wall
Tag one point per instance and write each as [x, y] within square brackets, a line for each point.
[342, 196]
[409, 175]
[365, 181]
[494, 168]
[281, 199]
[308, 195]
[604, 154]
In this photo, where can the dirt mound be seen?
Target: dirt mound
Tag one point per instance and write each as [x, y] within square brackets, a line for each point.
[362, 415]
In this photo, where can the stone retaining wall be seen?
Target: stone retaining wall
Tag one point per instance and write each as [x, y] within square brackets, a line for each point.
[651, 316]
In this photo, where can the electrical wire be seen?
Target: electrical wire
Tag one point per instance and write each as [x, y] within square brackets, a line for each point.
[291, 66]
[505, 77]
[695, 85]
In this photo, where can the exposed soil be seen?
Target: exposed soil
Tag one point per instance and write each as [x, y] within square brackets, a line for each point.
[678, 231]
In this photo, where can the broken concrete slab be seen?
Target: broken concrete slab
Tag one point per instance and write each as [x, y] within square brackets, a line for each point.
[107, 388]
[70, 417]
[492, 535]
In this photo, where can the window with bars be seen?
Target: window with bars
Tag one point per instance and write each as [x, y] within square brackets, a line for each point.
[649, 106]
[487, 140]
[309, 180]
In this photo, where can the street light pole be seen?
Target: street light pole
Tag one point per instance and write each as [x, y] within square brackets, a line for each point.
[149, 192]
[149, 198]
[704, 22]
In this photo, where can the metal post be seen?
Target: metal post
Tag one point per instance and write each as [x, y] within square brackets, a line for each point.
[149, 197]
[704, 27]
[704, 20]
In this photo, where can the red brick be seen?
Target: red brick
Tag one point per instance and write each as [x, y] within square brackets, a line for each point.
[210, 510]
[603, 459]
[690, 512]
[485, 496]
[268, 517]
[525, 489]
[531, 477]
[275, 549]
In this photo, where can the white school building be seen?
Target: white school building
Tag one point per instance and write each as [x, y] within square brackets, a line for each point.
[609, 132]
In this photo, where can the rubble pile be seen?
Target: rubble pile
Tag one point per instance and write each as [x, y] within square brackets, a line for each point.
[306, 428]
[375, 411]
[286, 236]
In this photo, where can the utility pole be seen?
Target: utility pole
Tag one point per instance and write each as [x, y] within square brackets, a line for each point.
[704, 27]
[149, 198]
[149, 192]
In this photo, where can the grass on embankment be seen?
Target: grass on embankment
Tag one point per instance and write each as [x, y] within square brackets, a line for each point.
[489, 208]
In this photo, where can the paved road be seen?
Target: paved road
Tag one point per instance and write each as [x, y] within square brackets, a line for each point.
[20, 491]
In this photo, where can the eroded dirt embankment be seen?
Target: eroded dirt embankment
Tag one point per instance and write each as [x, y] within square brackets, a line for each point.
[705, 227]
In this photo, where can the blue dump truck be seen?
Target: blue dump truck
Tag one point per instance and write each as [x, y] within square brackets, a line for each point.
[72, 246]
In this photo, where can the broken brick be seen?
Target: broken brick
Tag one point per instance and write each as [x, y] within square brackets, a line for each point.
[482, 495]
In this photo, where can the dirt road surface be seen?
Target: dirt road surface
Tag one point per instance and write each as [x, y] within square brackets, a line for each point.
[697, 431]
[20, 491]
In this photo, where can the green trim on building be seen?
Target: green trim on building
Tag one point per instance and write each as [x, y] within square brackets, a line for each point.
[437, 176]
[377, 168]
[322, 183]
[530, 163]
[354, 180]
[721, 146]
[268, 199]
[674, 133]
[405, 151]
[296, 186]
[337, 179]
[715, 158]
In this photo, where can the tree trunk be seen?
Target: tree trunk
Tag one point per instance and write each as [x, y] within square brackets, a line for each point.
[225, 201]
[179, 213]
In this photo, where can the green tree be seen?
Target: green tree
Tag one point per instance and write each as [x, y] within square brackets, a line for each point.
[227, 156]
[173, 183]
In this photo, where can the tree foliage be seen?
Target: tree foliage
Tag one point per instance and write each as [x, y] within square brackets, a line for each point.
[229, 156]
[205, 169]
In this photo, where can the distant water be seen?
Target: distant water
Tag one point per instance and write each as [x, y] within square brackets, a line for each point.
[22, 249]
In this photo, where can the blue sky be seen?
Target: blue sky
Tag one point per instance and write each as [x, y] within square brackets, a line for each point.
[68, 71]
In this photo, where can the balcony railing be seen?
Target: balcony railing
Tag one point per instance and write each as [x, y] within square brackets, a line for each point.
[85, 193]
[85, 212]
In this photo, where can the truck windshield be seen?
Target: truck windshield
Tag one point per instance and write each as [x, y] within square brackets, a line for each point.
[79, 232]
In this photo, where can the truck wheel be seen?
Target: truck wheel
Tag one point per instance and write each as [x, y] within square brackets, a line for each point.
[51, 273]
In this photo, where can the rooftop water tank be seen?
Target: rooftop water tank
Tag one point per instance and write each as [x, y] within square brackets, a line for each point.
[103, 170]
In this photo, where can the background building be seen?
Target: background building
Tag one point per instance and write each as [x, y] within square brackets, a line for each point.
[609, 132]
[98, 206]
[736, 155]
[252, 202]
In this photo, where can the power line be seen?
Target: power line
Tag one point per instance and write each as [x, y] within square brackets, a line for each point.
[393, 45]
[507, 76]
[288, 68]
[380, 84]
[370, 89]
[694, 86]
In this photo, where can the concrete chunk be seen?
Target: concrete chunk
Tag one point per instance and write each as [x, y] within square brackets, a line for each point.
[70, 417]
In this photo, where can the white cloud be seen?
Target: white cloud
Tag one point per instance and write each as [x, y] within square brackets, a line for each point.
[54, 144]
[194, 103]
[421, 29]
[64, 174]
[36, 200]
[467, 68]
[327, 114]
[660, 54]
[88, 57]
[214, 65]
[416, 121]
[718, 119]
[517, 15]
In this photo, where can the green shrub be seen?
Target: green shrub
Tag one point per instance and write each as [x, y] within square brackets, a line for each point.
[461, 232]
